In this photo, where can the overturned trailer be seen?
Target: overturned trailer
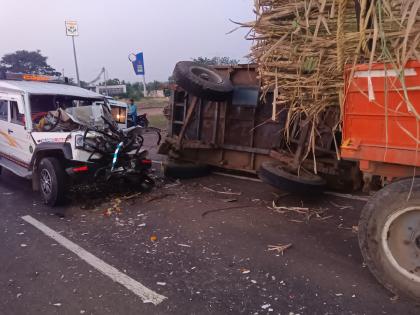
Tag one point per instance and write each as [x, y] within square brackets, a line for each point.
[233, 129]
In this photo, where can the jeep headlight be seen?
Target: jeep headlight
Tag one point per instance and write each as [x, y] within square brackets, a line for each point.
[79, 142]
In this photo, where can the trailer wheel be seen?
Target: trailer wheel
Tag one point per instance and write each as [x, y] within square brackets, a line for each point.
[52, 181]
[185, 170]
[389, 237]
[278, 175]
[202, 81]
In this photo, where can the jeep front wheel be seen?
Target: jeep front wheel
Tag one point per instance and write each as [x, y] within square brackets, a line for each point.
[52, 181]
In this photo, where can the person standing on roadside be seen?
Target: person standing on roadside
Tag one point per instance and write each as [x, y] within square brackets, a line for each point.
[132, 112]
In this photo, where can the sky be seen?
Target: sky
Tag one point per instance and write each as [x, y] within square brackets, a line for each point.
[166, 31]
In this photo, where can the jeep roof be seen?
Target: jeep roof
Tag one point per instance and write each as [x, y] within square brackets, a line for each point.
[33, 87]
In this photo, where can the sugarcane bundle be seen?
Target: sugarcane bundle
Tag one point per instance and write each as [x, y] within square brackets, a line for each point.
[302, 46]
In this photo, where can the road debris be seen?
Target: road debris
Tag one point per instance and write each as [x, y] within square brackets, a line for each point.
[158, 197]
[279, 248]
[115, 207]
[284, 209]
[230, 200]
[347, 196]
[221, 192]
[177, 183]
[132, 196]
[183, 245]
[265, 306]
[224, 209]
[153, 238]
[341, 207]
[307, 212]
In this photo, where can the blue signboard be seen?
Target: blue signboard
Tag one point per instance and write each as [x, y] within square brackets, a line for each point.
[138, 63]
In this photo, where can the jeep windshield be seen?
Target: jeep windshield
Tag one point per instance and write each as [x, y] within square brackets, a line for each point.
[46, 103]
[90, 116]
[75, 112]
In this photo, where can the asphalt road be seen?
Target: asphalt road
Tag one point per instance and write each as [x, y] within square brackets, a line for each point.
[205, 251]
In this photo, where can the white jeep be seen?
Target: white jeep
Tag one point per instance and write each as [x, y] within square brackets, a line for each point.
[59, 134]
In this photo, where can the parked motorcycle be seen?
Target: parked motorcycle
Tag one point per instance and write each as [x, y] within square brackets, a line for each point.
[142, 121]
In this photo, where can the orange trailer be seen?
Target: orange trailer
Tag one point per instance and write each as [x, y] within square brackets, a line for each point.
[381, 130]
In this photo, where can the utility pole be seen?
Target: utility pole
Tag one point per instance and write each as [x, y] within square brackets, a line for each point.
[144, 86]
[72, 30]
[75, 62]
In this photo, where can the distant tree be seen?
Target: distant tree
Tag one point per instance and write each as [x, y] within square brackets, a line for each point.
[23, 61]
[154, 86]
[134, 91]
[216, 61]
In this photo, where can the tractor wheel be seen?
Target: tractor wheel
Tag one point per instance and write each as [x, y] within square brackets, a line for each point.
[185, 170]
[278, 175]
[202, 81]
[389, 237]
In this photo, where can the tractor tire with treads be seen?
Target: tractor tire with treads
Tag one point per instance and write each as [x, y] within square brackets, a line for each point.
[389, 237]
[277, 175]
[202, 81]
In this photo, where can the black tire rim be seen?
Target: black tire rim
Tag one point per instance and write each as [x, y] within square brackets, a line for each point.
[46, 182]
[206, 74]
[400, 240]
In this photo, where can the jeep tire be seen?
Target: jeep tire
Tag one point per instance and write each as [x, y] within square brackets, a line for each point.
[52, 181]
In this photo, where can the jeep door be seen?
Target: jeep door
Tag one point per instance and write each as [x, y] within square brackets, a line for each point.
[5, 139]
[18, 141]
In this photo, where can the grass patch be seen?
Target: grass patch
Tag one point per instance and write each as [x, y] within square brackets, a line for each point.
[158, 121]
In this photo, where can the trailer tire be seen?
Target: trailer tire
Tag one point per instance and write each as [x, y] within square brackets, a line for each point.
[53, 181]
[185, 170]
[202, 81]
[390, 239]
[277, 175]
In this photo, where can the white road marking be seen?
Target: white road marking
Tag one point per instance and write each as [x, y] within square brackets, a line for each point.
[147, 295]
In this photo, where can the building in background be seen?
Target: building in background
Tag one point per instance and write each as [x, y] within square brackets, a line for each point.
[110, 90]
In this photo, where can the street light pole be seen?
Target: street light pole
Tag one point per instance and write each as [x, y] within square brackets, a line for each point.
[75, 62]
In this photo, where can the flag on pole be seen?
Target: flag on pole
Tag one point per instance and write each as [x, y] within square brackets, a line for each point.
[138, 63]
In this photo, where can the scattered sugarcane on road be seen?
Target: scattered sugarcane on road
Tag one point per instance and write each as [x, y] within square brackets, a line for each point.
[207, 246]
